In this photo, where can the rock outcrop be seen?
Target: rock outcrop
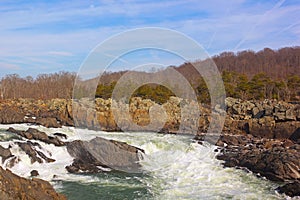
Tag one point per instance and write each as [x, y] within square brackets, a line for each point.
[13, 187]
[266, 119]
[99, 154]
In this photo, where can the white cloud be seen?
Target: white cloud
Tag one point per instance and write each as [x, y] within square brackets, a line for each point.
[30, 34]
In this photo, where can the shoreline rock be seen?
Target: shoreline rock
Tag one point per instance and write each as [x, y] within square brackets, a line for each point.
[13, 187]
[275, 159]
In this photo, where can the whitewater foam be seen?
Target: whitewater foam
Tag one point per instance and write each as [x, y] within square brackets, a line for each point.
[174, 167]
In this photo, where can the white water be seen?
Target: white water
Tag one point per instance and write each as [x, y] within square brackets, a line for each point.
[175, 167]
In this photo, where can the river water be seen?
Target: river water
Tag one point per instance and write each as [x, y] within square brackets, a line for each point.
[173, 168]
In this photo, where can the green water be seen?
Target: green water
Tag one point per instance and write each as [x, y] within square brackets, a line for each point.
[111, 186]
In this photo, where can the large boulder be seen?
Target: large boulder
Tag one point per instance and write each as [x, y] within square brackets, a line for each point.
[94, 155]
[13, 187]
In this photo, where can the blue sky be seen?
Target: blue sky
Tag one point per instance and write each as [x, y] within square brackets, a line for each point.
[49, 36]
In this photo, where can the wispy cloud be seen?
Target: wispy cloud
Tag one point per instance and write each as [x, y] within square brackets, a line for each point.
[59, 34]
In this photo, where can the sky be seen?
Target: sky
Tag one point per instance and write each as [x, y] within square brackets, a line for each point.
[47, 36]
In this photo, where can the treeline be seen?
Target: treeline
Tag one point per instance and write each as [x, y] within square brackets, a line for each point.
[259, 87]
[44, 86]
[157, 93]
[276, 64]
[237, 85]
[272, 74]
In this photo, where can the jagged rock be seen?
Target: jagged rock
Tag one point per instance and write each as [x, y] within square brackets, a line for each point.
[5, 153]
[277, 160]
[32, 133]
[13, 187]
[33, 153]
[99, 152]
[30, 152]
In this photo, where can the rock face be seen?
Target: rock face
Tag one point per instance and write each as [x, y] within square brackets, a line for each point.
[267, 119]
[94, 155]
[13, 187]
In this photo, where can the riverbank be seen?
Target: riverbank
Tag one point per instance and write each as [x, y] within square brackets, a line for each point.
[262, 136]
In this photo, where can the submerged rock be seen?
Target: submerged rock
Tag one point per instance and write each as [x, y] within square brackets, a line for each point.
[13, 187]
[94, 155]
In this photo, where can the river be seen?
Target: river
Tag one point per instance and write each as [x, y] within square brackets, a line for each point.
[174, 167]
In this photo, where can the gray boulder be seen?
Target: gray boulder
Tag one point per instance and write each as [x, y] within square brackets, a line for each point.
[91, 156]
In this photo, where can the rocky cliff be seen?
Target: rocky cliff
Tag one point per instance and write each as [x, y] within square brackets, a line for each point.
[267, 119]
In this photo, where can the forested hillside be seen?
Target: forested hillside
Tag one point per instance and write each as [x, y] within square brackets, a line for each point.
[272, 74]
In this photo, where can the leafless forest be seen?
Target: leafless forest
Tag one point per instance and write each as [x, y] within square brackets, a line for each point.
[264, 74]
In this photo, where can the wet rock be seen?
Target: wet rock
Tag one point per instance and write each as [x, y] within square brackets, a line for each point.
[35, 134]
[277, 160]
[290, 189]
[34, 155]
[61, 135]
[13, 187]
[92, 155]
[27, 148]
[5, 153]
[34, 173]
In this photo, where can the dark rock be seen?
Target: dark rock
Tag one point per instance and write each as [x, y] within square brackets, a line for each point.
[89, 155]
[33, 153]
[32, 133]
[30, 152]
[5, 153]
[290, 189]
[295, 137]
[61, 135]
[276, 160]
[13, 187]
[78, 167]
[34, 173]
[284, 130]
